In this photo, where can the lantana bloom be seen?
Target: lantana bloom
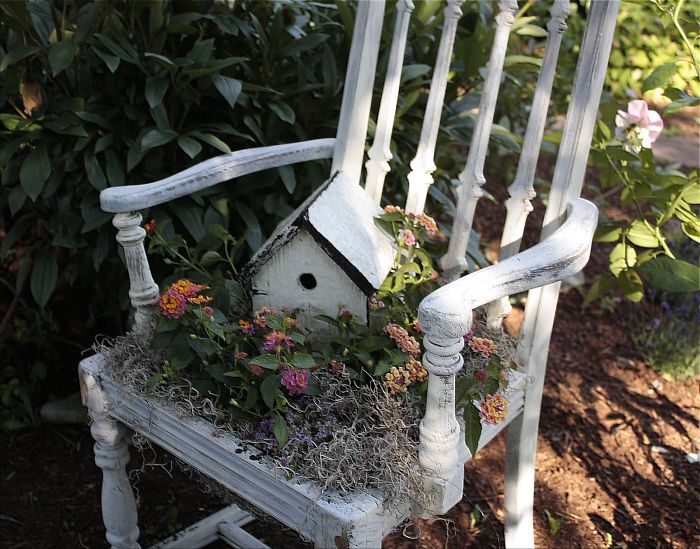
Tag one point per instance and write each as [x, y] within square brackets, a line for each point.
[187, 288]
[172, 304]
[397, 380]
[405, 342]
[638, 126]
[482, 345]
[151, 227]
[494, 409]
[246, 327]
[295, 381]
[260, 319]
[276, 340]
[415, 370]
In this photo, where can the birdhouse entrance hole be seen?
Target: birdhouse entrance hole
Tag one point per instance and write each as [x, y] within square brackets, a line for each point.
[307, 281]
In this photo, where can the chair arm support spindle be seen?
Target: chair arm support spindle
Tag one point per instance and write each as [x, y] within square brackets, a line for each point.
[143, 291]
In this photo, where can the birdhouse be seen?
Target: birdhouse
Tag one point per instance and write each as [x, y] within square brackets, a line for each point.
[328, 254]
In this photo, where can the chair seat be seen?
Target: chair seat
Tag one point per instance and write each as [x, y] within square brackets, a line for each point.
[359, 518]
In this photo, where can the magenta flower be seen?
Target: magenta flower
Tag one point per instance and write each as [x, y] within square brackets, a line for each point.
[172, 304]
[295, 381]
[638, 126]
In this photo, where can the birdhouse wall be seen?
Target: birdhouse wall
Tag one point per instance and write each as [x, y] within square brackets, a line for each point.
[301, 275]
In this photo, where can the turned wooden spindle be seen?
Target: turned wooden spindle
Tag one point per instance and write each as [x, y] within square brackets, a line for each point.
[522, 190]
[472, 177]
[143, 291]
[423, 164]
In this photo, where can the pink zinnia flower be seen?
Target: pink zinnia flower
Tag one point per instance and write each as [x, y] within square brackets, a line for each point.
[638, 125]
[295, 381]
[172, 304]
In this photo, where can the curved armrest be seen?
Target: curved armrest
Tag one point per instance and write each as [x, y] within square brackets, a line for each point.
[212, 171]
[562, 254]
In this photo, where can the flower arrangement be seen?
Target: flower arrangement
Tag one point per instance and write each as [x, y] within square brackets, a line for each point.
[261, 376]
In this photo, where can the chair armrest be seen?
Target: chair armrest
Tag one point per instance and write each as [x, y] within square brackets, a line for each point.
[562, 254]
[210, 172]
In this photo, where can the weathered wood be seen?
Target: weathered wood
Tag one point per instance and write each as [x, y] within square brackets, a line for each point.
[472, 177]
[357, 95]
[111, 455]
[423, 164]
[379, 154]
[211, 172]
[533, 346]
[522, 190]
[143, 291]
[207, 530]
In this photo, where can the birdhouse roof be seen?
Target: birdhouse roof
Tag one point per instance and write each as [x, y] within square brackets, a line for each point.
[339, 216]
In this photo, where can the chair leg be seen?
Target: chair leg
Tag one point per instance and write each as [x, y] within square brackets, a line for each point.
[118, 504]
[521, 447]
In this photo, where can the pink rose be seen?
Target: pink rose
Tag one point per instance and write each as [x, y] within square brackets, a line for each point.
[638, 125]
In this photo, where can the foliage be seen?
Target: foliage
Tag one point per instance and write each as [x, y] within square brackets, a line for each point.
[660, 197]
[256, 364]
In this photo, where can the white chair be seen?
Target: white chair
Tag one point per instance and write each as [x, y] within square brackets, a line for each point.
[362, 519]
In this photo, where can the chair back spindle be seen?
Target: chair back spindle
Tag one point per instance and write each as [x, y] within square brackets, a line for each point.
[522, 191]
[423, 165]
[379, 154]
[357, 94]
[472, 178]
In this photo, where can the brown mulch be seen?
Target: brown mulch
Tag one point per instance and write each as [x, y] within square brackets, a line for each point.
[600, 472]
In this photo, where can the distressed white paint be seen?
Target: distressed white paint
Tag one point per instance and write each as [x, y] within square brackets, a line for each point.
[423, 164]
[359, 519]
[278, 284]
[446, 315]
[211, 172]
[522, 190]
[111, 455]
[333, 237]
[143, 291]
[357, 95]
[344, 216]
[533, 347]
[379, 154]
[472, 177]
[209, 529]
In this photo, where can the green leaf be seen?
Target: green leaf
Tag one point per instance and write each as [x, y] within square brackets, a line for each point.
[281, 431]
[112, 61]
[229, 88]
[44, 277]
[211, 140]
[287, 175]
[17, 53]
[622, 257]
[531, 30]
[641, 235]
[153, 381]
[631, 285]
[472, 428]
[156, 138]
[410, 72]
[94, 171]
[297, 46]
[191, 147]
[303, 361]
[203, 347]
[672, 275]
[659, 77]
[692, 231]
[269, 389]
[61, 55]
[511, 60]
[35, 170]
[15, 199]
[270, 362]
[283, 111]
[607, 233]
[599, 288]
[156, 86]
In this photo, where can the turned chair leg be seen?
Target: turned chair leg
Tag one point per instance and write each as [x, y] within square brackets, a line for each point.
[520, 485]
[118, 504]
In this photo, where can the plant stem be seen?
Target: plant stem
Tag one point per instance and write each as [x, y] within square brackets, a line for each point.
[688, 45]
